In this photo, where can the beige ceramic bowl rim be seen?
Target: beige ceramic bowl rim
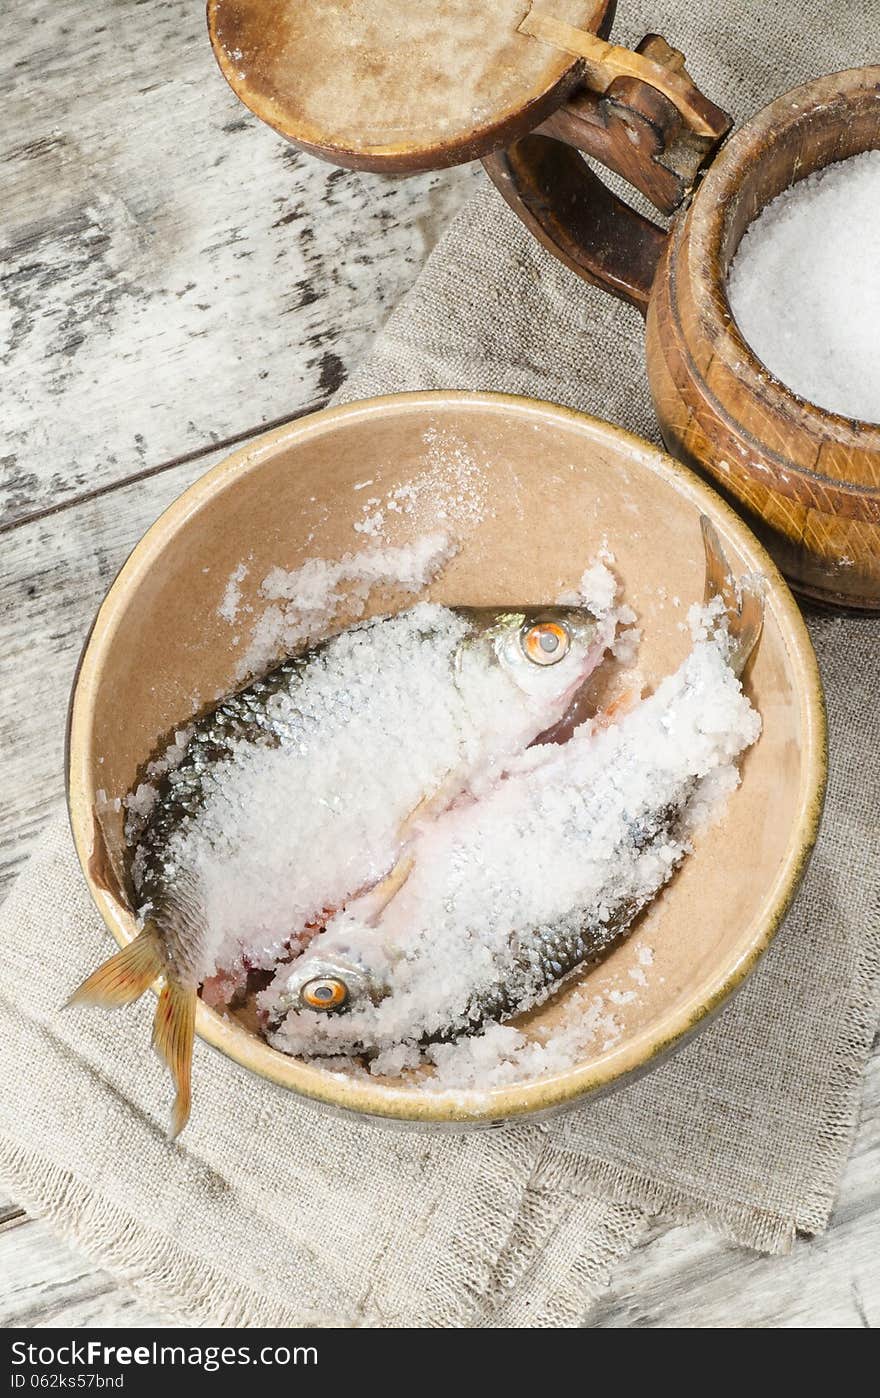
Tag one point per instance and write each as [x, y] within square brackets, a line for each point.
[710, 214]
[373, 1097]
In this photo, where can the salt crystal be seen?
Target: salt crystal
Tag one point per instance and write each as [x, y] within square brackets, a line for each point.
[501, 1053]
[385, 715]
[308, 598]
[598, 588]
[372, 523]
[139, 802]
[805, 287]
[626, 644]
[231, 600]
[478, 878]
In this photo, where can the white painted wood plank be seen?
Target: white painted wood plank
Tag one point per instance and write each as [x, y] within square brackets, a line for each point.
[45, 1283]
[10, 1212]
[173, 272]
[688, 1278]
[55, 573]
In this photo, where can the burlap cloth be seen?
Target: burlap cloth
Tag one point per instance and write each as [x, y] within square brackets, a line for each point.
[268, 1211]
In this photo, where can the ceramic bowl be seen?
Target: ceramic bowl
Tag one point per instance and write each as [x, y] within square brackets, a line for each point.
[531, 492]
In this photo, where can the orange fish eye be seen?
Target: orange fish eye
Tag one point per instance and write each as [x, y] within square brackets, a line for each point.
[324, 993]
[546, 643]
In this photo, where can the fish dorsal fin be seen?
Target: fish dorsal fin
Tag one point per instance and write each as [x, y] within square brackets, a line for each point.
[742, 599]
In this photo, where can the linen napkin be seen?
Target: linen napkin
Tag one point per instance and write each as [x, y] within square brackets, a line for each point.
[271, 1211]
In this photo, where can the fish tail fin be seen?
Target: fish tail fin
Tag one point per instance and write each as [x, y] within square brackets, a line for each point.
[125, 977]
[173, 1032]
[743, 598]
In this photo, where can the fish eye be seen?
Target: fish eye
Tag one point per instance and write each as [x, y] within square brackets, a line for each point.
[546, 642]
[324, 993]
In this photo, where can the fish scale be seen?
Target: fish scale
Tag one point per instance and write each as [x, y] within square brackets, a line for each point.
[244, 717]
[293, 795]
[498, 903]
[545, 956]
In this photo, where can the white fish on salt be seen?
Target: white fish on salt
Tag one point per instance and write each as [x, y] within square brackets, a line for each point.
[505, 898]
[294, 795]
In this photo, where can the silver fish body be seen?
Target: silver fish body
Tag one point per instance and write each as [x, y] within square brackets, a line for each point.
[296, 793]
[509, 897]
[499, 903]
[291, 795]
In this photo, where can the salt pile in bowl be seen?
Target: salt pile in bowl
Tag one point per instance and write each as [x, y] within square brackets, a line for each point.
[804, 287]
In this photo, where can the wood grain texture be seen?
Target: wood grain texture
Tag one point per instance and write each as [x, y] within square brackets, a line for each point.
[44, 1283]
[55, 573]
[156, 235]
[568, 208]
[605, 64]
[623, 115]
[131, 172]
[636, 131]
[376, 85]
[807, 480]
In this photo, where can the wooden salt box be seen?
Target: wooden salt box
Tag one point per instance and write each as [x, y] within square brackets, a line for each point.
[533, 90]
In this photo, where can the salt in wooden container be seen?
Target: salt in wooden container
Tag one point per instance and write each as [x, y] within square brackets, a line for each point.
[532, 90]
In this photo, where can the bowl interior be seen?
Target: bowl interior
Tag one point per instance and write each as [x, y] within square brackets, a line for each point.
[531, 493]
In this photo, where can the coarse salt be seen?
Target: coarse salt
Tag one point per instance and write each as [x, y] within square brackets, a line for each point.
[804, 287]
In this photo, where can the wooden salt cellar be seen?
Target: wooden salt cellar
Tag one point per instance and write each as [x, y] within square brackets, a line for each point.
[807, 480]
[406, 88]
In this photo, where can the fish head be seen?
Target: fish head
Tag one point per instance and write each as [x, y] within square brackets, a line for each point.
[332, 982]
[547, 652]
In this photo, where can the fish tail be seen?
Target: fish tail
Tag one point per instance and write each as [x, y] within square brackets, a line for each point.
[173, 1032]
[125, 977]
[743, 599]
[122, 980]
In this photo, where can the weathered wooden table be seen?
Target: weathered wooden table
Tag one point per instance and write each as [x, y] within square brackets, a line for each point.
[175, 280]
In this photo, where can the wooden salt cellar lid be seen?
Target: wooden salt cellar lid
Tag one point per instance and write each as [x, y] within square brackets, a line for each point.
[380, 85]
[407, 85]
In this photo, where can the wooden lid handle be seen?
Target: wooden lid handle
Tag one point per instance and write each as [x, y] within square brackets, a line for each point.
[604, 63]
[639, 114]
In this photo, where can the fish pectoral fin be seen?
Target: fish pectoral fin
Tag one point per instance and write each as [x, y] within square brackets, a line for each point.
[381, 895]
[173, 1033]
[434, 804]
[125, 977]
